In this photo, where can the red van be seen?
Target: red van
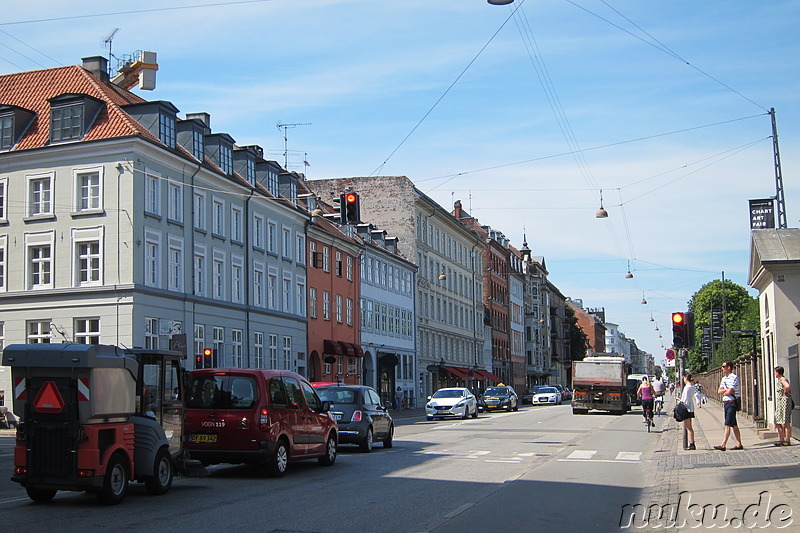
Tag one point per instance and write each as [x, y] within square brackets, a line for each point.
[261, 417]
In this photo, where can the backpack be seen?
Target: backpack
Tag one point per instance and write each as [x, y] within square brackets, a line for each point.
[680, 413]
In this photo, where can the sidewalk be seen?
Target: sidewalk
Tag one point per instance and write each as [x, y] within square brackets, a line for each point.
[735, 479]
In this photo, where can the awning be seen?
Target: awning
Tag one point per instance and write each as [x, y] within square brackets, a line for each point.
[348, 349]
[485, 374]
[359, 351]
[331, 347]
[460, 373]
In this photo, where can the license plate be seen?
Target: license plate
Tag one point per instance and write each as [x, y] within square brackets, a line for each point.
[337, 417]
[492, 405]
[198, 437]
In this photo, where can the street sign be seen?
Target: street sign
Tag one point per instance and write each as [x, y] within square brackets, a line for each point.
[670, 354]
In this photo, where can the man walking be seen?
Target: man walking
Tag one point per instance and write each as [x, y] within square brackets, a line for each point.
[729, 388]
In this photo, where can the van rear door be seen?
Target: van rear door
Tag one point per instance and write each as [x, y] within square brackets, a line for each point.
[206, 413]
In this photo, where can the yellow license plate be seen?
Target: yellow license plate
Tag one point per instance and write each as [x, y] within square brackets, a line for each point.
[202, 438]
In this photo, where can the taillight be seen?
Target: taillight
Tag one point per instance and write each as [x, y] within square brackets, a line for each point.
[356, 416]
[85, 473]
[20, 470]
[263, 420]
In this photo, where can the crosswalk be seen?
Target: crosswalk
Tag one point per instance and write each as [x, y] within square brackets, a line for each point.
[591, 456]
[487, 456]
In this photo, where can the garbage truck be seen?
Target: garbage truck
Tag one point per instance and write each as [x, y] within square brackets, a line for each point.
[599, 382]
[95, 417]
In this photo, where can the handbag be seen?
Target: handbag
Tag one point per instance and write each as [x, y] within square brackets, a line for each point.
[738, 403]
[680, 412]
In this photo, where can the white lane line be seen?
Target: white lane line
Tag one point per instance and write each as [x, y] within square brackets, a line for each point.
[599, 461]
[629, 456]
[582, 454]
[456, 512]
[502, 461]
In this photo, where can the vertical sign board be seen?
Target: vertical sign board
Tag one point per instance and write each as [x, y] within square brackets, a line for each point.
[762, 214]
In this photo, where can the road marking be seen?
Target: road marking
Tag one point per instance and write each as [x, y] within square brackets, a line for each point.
[503, 461]
[629, 456]
[475, 454]
[458, 511]
[582, 454]
[529, 454]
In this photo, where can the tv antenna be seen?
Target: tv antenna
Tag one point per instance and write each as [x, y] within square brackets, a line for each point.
[107, 41]
[285, 128]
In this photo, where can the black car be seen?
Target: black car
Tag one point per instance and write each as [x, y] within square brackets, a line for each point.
[362, 418]
[528, 396]
[499, 398]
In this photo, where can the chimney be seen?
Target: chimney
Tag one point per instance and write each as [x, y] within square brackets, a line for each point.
[205, 118]
[391, 244]
[378, 236]
[364, 230]
[97, 65]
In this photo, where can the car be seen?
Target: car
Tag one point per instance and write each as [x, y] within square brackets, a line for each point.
[260, 417]
[528, 396]
[547, 395]
[451, 401]
[566, 394]
[361, 417]
[499, 398]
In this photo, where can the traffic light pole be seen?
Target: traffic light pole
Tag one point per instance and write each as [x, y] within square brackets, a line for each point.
[682, 359]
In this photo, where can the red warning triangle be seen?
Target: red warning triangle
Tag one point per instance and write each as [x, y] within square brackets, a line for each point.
[48, 400]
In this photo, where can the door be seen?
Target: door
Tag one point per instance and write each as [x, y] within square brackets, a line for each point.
[316, 420]
[296, 417]
[380, 418]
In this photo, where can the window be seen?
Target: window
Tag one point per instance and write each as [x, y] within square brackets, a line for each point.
[199, 341]
[166, 129]
[351, 366]
[287, 294]
[41, 266]
[312, 254]
[200, 271]
[326, 259]
[66, 122]
[3, 271]
[88, 192]
[200, 211]
[271, 237]
[236, 347]
[40, 195]
[217, 217]
[301, 249]
[250, 171]
[272, 289]
[225, 159]
[236, 280]
[218, 340]
[88, 263]
[38, 332]
[258, 349]
[152, 263]
[236, 224]
[175, 208]
[175, 260]
[288, 364]
[349, 312]
[287, 243]
[87, 330]
[339, 308]
[326, 305]
[198, 145]
[6, 132]
[258, 232]
[3, 199]
[272, 183]
[218, 276]
[152, 200]
[273, 351]
[258, 285]
[312, 302]
[150, 333]
[301, 298]
[349, 268]
[338, 263]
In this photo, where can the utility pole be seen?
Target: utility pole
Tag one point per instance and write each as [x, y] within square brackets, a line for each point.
[285, 127]
[778, 175]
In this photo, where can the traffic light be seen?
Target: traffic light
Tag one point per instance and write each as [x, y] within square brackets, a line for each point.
[690, 335]
[679, 330]
[208, 358]
[350, 208]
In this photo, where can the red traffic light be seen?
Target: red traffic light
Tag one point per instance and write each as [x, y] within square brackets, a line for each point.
[351, 198]
[207, 352]
[678, 318]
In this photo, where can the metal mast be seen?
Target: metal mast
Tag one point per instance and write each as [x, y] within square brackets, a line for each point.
[778, 174]
[285, 127]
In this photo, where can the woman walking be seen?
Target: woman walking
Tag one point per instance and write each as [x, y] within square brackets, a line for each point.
[783, 409]
[687, 399]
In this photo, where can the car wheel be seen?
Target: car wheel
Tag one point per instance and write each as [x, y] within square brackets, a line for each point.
[388, 441]
[466, 412]
[161, 480]
[366, 444]
[475, 413]
[330, 452]
[40, 495]
[429, 418]
[276, 467]
[115, 482]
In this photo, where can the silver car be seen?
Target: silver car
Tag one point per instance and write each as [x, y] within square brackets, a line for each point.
[452, 401]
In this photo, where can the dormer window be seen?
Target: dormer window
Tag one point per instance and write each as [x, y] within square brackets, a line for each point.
[158, 117]
[198, 146]
[272, 183]
[226, 159]
[251, 171]
[219, 149]
[71, 115]
[166, 129]
[6, 132]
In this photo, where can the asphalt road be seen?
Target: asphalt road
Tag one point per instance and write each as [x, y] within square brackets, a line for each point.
[533, 470]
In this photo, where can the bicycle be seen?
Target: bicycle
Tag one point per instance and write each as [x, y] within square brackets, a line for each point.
[658, 405]
[648, 416]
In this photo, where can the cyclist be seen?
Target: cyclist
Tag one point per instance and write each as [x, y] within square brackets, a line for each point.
[645, 392]
[658, 391]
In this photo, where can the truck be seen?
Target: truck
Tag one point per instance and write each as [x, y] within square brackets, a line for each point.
[599, 382]
[94, 417]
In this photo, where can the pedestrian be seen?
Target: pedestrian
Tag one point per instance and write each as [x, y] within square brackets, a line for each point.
[729, 388]
[687, 399]
[671, 387]
[783, 409]
[646, 393]
[398, 398]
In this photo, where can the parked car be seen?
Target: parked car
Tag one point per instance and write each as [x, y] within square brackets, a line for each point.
[260, 417]
[566, 394]
[499, 398]
[547, 395]
[452, 401]
[361, 417]
[528, 396]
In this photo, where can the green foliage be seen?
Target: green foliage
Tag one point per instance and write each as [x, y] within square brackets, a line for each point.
[741, 313]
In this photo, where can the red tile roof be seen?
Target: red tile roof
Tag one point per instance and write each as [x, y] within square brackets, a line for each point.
[31, 90]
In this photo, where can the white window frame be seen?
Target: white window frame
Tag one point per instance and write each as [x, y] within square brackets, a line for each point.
[301, 249]
[152, 258]
[175, 202]
[286, 292]
[91, 194]
[237, 280]
[199, 201]
[288, 364]
[259, 288]
[236, 223]
[349, 312]
[3, 200]
[218, 275]
[152, 193]
[273, 351]
[258, 232]
[326, 305]
[286, 243]
[81, 237]
[218, 342]
[89, 330]
[236, 347]
[175, 263]
[39, 240]
[258, 349]
[272, 237]
[200, 270]
[3, 266]
[151, 326]
[301, 297]
[326, 258]
[40, 207]
[349, 268]
[42, 334]
[199, 340]
[217, 217]
[272, 288]
[339, 308]
[312, 302]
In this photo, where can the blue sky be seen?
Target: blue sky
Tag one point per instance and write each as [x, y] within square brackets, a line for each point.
[463, 82]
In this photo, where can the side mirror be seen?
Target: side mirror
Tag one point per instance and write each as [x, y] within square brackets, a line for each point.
[326, 406]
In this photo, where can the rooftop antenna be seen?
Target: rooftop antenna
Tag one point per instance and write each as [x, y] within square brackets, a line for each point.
[285, 127]
[107, 41]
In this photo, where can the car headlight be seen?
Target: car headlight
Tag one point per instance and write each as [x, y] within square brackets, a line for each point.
[429, 406]
[461, 403]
